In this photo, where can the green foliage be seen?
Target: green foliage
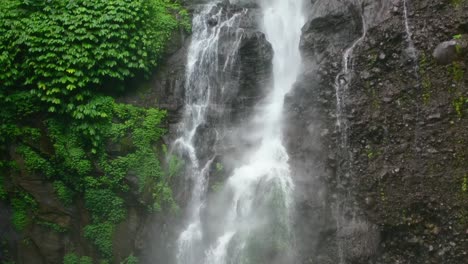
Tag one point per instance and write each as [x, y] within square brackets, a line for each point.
[219, 167]
[142, 128]
[130, 260]
[464, 187]
[63, 51]
[16, 107]
[101, 236]
[105, 205]
[458, 49]
[371, 153]
[217, 186]
[459, 105]
[457, 71]
[64, 193]
[458, 36]
[35, 162]
[72, 258]
[71, 166]
[53, 226]
[58, 59]
[425, 78]
[3, 192]
[24, 205]
[174, 163]
[457, 3]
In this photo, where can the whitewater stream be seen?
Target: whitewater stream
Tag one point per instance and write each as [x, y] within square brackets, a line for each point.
[256, 214]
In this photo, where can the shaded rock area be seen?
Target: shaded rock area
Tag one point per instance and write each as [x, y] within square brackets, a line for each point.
[407, 135]
[53, 228]
[394, 191]
[327, 225]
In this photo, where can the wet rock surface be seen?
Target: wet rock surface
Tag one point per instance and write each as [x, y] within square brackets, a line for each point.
[406, 117]
[400, 176]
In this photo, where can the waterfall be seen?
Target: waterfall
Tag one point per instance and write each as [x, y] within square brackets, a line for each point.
[409, 34]
[254, 212]
[342, 81]
[205, 75]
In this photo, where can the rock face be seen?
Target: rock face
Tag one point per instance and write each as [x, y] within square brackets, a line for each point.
[406, 133]
[328, 227]
[390, 186]
[378, 202]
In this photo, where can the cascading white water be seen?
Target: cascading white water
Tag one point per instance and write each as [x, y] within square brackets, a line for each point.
[409, 34]
[255, 218]
[204, 73]
[341, 84]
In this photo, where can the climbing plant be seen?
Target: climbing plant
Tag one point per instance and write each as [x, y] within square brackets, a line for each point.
[56, 55]
[60, 63]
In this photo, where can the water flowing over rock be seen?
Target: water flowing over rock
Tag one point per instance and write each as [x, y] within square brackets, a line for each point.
[250, 216]
[331, 219]
[311, 132]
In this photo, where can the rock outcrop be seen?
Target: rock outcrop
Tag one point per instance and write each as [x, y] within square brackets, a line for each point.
[388, 186]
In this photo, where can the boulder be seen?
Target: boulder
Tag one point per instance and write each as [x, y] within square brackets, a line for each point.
[451, 50]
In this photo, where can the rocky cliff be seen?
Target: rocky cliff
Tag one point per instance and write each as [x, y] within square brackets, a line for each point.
[375, 129]
[392, 127]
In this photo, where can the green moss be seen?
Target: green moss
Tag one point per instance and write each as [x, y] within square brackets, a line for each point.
[371, 152]
[130, 260]
[72, 258]
[101, 237]
[425, 78]
[24, 206]
[105, 205]
[219, 167]
[35, 162]
[383, 197]
[373, 94]
[217, 186]
[53, 226]
[459, 105]
[464, 185]
[57, 60]
[372, 59]
[3, 192]
[457, 3]
[64, 193]
[457, 71]
[62, 50]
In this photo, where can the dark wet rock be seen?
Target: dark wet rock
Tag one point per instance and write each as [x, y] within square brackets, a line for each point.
[446, 52]
[401, 125]
[450, 51]
[412, 204]
[360, 241]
